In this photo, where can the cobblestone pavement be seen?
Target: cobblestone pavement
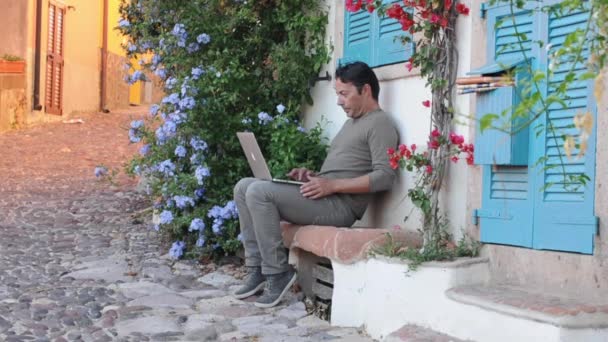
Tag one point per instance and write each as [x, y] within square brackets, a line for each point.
[78, 263]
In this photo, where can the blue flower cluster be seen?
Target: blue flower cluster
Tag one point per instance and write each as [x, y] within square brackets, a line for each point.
[124, 23]
[198, 144]
[137, 75]
[166, 217]
[220, 214]
[180, 151]
[144, 150]
[196, 224]
[177, 249]
[280, 108]
[264, 118]
[100, 171]
[179, 31]
[166, 168]
[183, 202]
[135, 131]
[201, 173]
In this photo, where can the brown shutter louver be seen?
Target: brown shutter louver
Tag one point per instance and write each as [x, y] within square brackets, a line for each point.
[54, 60]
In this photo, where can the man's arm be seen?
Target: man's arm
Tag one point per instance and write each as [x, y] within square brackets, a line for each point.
[318, 187]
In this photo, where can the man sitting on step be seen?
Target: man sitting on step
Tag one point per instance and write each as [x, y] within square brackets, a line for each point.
[356, 166]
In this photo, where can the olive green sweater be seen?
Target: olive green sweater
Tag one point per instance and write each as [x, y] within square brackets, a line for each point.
[359, 149]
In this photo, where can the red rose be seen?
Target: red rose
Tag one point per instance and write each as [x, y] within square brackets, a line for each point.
[470, 159]
[395, 12]
[462, 8]
[394, 164]
[435, 133]
[434, 18]
[410, 64]
[390, 151]
[454, 159]
[444, 22]
[426, 103]
[353, 7]
[413, 147]
[448, 4]
[406, 23]
[434, 144]
[429, 169]
[456, 139]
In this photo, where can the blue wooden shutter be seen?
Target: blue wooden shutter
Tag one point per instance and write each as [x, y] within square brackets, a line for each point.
[374, 40]
[506, 216]
[564, 214]
[358, 33]
[388, 47]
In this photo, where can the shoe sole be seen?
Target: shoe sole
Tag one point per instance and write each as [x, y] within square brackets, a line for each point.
[287, 287]
[250, 293]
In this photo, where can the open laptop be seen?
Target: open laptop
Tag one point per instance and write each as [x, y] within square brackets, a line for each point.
[256, 159]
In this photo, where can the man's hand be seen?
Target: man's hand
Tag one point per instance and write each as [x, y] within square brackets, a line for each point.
[317, 187]
[301, 174]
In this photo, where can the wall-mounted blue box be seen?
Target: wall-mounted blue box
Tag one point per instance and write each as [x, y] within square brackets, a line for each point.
[507, 143]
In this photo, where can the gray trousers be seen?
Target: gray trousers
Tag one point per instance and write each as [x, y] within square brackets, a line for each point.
[263, 204]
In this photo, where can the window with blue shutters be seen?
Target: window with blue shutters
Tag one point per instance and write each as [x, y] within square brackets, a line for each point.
[527, 199]
[374, 40]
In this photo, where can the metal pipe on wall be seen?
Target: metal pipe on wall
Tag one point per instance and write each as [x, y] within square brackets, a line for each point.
[104, 59]
[37, 57]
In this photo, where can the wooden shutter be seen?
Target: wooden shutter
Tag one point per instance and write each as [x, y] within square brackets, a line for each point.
[54, 60]
[373, 40]
[389, 47]
[506, 216]
[564, 212]
[358, 37]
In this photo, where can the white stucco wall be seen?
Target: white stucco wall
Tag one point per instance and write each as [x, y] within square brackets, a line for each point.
[401, 94]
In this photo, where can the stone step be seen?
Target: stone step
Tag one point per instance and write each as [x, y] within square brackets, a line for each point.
[415, 333]
[573, 313]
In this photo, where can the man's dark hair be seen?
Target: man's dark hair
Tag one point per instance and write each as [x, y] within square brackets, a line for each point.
[359, 74]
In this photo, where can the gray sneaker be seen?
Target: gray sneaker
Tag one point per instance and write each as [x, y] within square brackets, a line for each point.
[254, 282]
[276, 287]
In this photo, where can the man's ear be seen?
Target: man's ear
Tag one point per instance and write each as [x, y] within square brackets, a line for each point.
[367, 90]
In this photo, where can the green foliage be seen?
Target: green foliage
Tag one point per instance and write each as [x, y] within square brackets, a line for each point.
[227, 66]
[441, 248]
[10, 58]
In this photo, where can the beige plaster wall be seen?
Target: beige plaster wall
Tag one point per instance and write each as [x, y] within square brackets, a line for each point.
[12, 101]
[13, 30]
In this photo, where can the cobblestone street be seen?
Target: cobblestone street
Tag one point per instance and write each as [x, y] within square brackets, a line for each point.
[79, 263]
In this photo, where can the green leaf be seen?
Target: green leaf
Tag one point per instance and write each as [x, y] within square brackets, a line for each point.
[486, 121]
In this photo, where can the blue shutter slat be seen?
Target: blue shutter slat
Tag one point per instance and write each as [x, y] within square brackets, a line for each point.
[389, 47]
[357, 37]
[564, 214]
[506, 42]
[506, 216]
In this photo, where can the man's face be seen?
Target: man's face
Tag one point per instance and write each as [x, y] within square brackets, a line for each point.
[349, 98]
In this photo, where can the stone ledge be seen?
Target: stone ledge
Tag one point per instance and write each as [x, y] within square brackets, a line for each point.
[343, 245]
[519, 302]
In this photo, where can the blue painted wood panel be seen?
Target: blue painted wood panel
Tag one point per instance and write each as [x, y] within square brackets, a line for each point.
[564, 210]
[535, 205]
[374, 40]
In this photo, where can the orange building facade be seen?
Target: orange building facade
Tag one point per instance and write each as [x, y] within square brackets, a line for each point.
[74, 61]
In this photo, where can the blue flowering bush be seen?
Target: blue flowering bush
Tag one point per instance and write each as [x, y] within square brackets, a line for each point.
[226, 66]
